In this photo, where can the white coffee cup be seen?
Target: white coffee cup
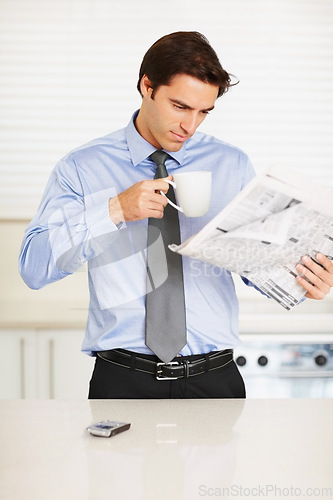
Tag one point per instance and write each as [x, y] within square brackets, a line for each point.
[193, 192]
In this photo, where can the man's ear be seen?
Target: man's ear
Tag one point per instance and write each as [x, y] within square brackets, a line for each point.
[146, 86]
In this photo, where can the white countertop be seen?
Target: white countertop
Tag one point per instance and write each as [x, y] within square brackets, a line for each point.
[175, 449]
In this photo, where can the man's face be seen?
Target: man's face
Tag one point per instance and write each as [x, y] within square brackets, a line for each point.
[169, 119]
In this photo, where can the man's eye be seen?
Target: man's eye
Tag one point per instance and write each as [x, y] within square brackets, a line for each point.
[179, 107]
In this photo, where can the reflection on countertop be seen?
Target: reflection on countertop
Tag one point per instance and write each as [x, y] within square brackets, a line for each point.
[182, 449]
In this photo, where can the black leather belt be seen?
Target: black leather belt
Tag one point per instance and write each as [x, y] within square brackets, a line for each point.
[177, 368]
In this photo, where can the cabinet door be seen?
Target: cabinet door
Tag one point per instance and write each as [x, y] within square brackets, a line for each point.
[64, 371]
[17, 364]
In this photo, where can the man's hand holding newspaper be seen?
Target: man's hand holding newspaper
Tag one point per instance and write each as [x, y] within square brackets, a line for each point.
[319, 278]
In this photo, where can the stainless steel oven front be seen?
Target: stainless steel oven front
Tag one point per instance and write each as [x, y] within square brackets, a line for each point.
[284, 365]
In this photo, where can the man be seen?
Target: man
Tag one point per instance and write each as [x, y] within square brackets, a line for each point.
[96, 209]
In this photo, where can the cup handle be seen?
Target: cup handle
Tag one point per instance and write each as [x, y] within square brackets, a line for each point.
[173, 184]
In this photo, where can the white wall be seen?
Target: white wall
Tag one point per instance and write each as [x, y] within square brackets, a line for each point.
[68, 71]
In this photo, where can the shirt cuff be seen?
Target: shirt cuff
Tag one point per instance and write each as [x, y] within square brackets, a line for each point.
[98, 219]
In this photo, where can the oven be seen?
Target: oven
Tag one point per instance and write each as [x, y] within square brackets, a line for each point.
[286, 365]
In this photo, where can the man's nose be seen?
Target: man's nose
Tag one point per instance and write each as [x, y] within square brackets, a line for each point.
[191, 123]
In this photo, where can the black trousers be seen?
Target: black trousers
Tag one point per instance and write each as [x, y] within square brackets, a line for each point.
[111, 381]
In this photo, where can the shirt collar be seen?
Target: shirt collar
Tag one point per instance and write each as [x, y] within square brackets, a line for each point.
[140, 149]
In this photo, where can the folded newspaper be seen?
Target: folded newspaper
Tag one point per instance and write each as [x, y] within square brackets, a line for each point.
[264, 232]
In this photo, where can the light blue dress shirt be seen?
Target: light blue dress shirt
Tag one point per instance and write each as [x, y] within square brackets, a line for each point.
[72, 226]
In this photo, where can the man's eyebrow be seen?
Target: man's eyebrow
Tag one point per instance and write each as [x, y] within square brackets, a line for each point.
[186, 106]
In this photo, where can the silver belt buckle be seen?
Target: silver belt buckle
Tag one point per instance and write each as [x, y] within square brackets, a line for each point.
[159, 375]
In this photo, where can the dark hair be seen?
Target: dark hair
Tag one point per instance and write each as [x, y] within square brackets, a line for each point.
[186, 52]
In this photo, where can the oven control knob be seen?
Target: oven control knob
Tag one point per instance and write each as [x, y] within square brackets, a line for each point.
[320, 360]
[241, 361]
[262, 360]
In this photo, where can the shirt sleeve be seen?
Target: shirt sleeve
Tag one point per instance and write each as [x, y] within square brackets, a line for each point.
[68, 229]
[248, 172]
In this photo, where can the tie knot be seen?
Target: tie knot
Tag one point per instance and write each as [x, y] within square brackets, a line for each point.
[159, 157]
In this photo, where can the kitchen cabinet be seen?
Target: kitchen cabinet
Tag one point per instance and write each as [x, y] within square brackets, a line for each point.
[65, 371]
[43, 363]
[17, 363]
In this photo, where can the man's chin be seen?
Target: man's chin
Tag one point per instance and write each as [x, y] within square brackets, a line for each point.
[173, 147]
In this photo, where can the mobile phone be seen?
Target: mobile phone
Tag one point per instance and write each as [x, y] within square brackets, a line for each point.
[108, 428]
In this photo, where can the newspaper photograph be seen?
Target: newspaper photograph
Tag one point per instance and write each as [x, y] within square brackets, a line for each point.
[263, 233]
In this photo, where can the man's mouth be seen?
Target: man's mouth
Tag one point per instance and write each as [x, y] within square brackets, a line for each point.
[180, 138]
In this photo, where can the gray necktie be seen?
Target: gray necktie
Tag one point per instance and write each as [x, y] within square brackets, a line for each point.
[165, 304]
